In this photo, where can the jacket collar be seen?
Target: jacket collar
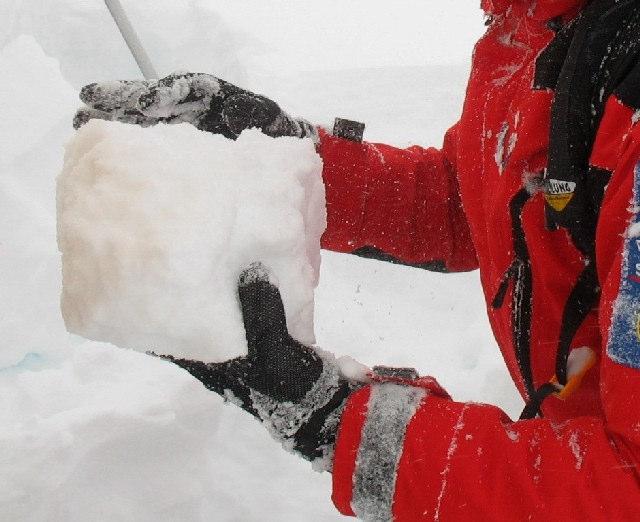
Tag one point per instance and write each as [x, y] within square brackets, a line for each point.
[538, 9]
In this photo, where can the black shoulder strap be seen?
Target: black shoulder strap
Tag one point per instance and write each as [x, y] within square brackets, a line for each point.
[591, 58]
[601, 48]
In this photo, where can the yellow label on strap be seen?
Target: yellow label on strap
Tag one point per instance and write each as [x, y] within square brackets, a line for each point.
[558, 201]
[559, 193]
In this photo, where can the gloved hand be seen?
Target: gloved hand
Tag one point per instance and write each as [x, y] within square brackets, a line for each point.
[295, 391]
[208, 103]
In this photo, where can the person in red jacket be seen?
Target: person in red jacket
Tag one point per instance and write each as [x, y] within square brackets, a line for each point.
[538, 186]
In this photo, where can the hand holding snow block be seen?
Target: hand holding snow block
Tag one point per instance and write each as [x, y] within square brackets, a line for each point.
[155, 226]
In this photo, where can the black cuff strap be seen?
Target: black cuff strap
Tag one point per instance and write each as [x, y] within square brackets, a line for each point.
[348, 129]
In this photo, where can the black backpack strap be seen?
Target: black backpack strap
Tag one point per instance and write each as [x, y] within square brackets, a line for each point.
[591, 58]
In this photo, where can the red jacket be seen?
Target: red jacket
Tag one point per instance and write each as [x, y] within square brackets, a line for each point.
[406, 454]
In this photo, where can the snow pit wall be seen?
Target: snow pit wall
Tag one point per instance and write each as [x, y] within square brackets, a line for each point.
[156, 224]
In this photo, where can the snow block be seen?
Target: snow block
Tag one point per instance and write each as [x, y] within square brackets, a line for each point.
[155, 226]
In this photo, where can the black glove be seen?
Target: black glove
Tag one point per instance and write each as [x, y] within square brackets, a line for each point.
[208, 103]
[296, 392]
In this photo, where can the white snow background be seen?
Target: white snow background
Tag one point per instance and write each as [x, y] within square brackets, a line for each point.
[92, 432]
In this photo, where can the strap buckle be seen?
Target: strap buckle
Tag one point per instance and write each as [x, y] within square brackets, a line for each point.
[348, 129]
[580, 361]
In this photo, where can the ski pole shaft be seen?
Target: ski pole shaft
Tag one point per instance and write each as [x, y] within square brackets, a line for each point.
[131, 38]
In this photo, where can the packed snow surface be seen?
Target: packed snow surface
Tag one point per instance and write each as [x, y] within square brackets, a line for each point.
[155, 225]
[92, 432]
[76, 445]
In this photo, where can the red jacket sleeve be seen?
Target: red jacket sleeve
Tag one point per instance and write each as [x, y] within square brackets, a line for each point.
[403, 202]
[406, 454]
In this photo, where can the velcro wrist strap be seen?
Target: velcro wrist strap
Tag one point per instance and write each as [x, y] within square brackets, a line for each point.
[407, 377]
[348, 129]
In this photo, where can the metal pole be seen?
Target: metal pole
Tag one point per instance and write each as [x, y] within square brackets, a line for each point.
[131, 38]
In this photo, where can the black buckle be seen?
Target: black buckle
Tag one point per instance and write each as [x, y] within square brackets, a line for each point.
[348, 129]
[392, 372]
